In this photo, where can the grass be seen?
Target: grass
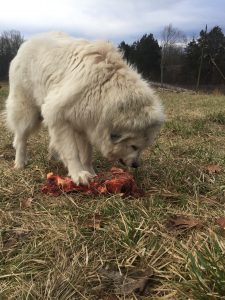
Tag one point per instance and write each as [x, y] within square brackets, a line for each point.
[50, 251]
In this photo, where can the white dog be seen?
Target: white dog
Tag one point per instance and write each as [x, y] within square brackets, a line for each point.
[87, 96]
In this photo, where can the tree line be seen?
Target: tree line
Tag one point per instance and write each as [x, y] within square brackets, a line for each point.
[10, 41]
[172, 59]
[200, 61]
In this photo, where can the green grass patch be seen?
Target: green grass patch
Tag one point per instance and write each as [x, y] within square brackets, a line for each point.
[218, 117]
[54, 250]
[206, 271]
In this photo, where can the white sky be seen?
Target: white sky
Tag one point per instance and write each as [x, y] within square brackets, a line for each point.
[114, 20]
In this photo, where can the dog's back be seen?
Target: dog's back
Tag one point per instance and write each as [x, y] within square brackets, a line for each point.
[45, 66]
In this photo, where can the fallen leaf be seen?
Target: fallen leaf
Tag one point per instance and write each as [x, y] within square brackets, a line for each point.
[13, 237]
[182, 222]
[126, 283]
[221, 222]
[212, 169]
[10, 243]
[110, 297]
[26, 203]
[94, 223]
[204, 199]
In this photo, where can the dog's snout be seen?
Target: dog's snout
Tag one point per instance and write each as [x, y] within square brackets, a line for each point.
[122, 162]
[135, 164]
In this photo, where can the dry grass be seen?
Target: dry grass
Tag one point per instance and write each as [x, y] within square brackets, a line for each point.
[50, 251]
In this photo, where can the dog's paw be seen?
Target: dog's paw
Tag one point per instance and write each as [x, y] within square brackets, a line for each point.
[19, 165]
[82, 178]
[91, 170]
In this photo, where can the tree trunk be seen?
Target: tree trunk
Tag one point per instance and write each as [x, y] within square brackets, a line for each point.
[200, 66]
[217, 68]
[199, 70]
[162, 67]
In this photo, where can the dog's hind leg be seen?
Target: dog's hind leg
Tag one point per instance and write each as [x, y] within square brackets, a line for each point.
[19, 143]
[22, 119]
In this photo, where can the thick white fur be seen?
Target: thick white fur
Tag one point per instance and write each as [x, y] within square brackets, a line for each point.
[85, 93]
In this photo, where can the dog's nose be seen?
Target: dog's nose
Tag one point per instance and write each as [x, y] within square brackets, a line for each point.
[135, 164]
[122, 162]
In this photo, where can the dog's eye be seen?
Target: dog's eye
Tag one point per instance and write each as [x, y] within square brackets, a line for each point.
[115, 136]
[135, 148]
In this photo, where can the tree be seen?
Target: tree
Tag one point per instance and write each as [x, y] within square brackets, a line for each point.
[129, 52]
[147, 56]
[10, 42]
[170, 39]
[126, 49]
[191, 67]
[204, 35]
[205, 57]
[144, 54]
[215, 52]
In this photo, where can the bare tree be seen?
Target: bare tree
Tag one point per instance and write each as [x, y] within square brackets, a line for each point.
[201, 58]
[170, 39]
[10, 42]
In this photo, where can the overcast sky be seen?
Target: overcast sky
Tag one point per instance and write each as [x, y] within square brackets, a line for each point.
[114, 20]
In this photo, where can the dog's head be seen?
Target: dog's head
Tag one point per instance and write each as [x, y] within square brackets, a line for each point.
[130, 127]
[130, 119]
[126, 147]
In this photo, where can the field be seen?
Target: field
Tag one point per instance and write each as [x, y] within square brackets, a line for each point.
[81, 247]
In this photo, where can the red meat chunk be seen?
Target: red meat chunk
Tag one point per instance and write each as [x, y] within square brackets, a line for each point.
[114, 181]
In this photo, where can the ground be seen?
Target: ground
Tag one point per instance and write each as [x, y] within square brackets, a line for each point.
[58, 247]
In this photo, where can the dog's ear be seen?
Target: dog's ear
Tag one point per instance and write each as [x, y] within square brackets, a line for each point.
[118, 138]
[115, 137]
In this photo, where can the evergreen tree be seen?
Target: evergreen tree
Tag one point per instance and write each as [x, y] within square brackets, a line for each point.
[145, 55]
[210, 47]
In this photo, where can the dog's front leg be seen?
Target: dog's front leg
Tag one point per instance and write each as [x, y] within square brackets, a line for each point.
[64, 142]
[85, 152]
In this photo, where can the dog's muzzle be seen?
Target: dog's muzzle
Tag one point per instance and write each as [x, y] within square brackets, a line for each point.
[135, 165]
[122, 162]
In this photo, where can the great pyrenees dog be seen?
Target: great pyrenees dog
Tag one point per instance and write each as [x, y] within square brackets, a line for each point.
[87, 96]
